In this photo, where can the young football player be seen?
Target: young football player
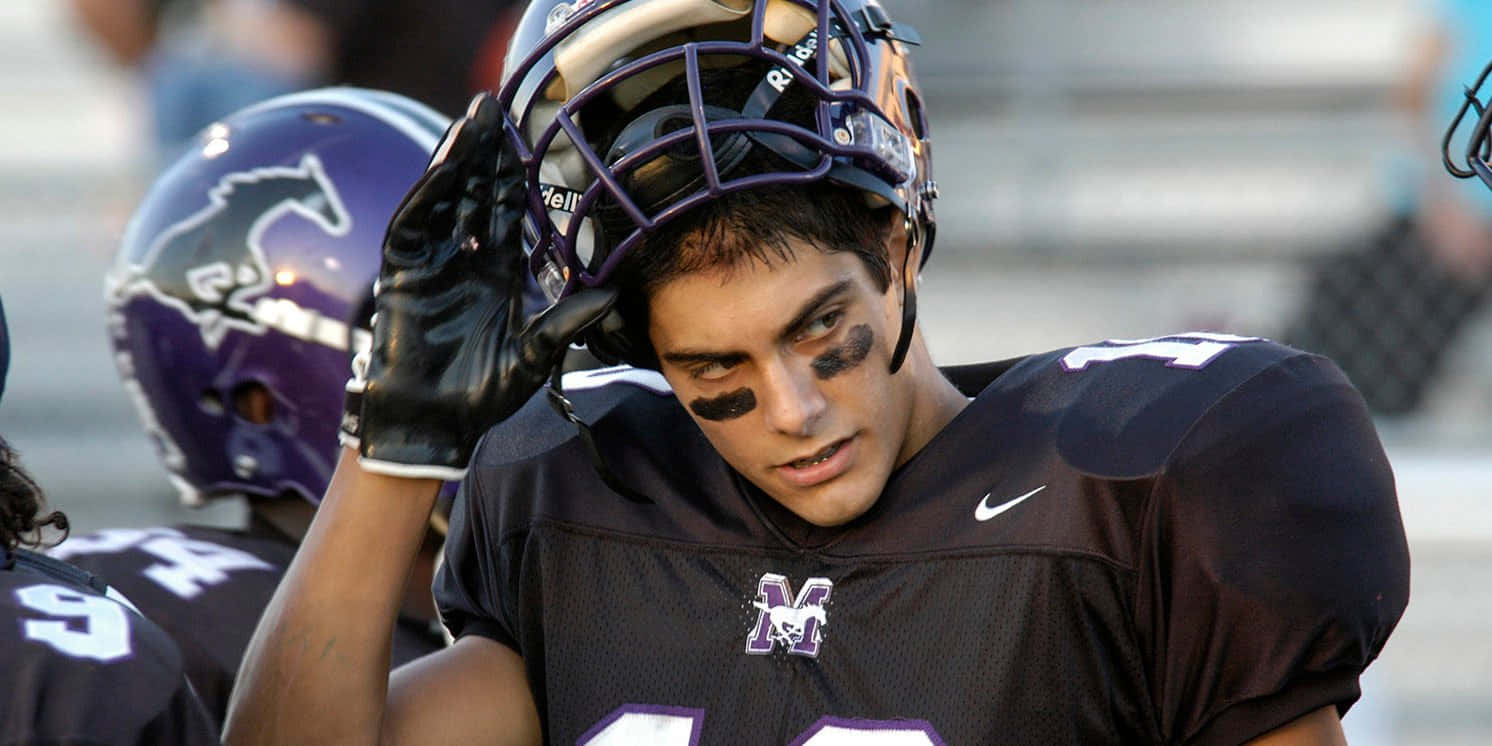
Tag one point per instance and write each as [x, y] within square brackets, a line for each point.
[232, 309]
[81, 665]
[786, 525]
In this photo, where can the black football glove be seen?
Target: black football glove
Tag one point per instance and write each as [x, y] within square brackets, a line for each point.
[450, 354]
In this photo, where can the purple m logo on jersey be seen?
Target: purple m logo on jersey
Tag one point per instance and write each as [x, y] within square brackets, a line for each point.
[795, 621]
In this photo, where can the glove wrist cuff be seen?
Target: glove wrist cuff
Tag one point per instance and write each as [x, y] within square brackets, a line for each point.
[412, 471]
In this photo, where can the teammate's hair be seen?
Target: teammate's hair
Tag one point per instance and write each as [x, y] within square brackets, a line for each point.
[753, 224]
[21, 503]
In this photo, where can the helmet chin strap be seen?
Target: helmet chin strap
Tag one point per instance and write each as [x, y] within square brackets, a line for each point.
[908, 296]
[562, 405]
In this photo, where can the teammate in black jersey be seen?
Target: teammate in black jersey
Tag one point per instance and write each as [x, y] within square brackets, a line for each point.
[232, 309]
[81, 665]
[784, 524]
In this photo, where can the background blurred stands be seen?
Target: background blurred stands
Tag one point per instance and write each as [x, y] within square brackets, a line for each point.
[199, 60]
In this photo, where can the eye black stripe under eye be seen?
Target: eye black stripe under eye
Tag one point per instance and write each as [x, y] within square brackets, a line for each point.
[727, 406]
[852, 353]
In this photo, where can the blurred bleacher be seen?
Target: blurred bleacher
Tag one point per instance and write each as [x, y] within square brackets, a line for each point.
[1149, 130]
[1194, 155]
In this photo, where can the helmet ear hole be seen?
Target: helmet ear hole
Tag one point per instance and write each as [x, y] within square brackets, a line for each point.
[210, 402]
[916, 115]
[252, 402]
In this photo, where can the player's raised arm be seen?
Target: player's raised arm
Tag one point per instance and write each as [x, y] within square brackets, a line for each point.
[450, 358]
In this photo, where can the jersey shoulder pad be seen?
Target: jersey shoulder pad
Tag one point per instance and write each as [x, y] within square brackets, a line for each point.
[1118, 408]
[599, 397]
[83, 658]
[537, 464]
[51, 566]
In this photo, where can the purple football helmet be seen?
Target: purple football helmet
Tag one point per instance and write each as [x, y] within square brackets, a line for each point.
[234, 299]
[602, 60]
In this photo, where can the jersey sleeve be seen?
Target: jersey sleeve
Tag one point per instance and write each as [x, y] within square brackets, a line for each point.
[468, 585]
[1273, 558]
[82, 668]
[184, 721]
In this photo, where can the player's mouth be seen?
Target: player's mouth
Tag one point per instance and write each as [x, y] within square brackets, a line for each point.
[820, 466]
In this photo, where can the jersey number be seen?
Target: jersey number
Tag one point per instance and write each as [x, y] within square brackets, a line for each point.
[105, 633]
[187, 566]
[1194, 350]
[190, 564]
[679, 726]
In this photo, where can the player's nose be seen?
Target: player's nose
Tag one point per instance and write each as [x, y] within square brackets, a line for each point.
[793, 404]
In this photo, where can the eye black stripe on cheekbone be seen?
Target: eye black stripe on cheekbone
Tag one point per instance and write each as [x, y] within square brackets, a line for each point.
[846, 356]
[727, 406]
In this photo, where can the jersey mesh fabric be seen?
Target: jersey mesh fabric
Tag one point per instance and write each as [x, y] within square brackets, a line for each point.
[971, 657]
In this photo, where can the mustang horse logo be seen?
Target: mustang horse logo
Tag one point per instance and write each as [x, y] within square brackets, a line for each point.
[794, 622]
[790, 623]
[211, 265]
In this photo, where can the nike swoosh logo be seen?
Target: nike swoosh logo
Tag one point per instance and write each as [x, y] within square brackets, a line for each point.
[984, 511]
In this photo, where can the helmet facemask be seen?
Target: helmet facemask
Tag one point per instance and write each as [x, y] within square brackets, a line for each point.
[644, 161]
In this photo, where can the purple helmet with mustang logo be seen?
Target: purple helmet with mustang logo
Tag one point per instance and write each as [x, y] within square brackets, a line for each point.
[234, 299]
[609, 161]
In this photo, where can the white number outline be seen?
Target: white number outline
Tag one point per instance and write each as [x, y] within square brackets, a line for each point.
[680, 726]
[187, 565]
[1173, 349]
[106, 636]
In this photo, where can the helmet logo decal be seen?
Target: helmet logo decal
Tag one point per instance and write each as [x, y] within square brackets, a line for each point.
[211, 266]
[561, 198]
[800, 54]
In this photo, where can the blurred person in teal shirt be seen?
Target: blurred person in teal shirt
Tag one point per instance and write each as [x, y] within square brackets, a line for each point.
[1390, 305]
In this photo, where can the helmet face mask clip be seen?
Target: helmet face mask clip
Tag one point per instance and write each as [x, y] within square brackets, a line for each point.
[1477, 152]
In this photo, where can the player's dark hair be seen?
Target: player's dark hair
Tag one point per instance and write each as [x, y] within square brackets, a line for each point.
[753, 224]
[21, 504]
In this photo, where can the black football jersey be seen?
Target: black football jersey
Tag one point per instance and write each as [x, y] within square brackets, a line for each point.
[207, 587]
[81, 667]
[1191, 539]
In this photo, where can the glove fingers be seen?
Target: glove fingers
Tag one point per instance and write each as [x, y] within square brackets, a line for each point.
[424, 213]
[484, 110]
[509, 196]
[418, 215]
[507, 202]
[474, 211]
[463, 134]
[543, 342]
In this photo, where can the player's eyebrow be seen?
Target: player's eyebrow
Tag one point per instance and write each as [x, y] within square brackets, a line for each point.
[686, 358]
[808, 310]
[804, 315]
